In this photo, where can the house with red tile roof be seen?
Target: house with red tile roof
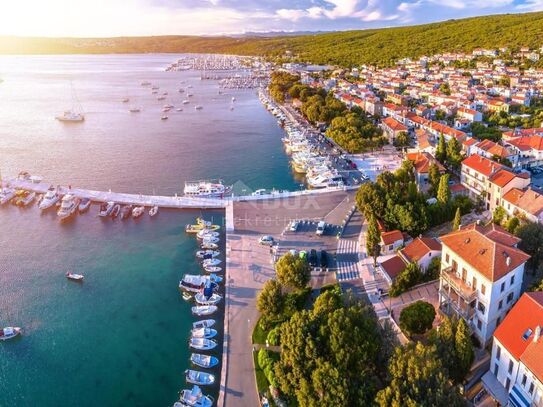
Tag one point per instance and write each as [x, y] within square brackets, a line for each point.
[392, 127]
[524, 202]
[529, 148]
[493, 151]
[391, 241]
[515, 377]
[481, 276]
[469, 114]
[421, 162]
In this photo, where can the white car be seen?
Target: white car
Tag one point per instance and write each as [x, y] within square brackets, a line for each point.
[320, 228]
[266, 240]
[293, 227]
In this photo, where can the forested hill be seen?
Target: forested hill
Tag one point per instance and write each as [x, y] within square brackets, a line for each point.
[346, 48]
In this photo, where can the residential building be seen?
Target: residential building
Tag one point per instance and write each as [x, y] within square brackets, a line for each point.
[421, 162]
[392, 128]
[391, 241]
[525, 203]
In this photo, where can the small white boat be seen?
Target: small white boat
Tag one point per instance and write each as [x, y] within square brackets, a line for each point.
[106, 209]
[153, 211]
[68, 206]
[84, 205]
[28, 199]
[233, 99]
[185, 102]
[212, 269]
[134, 110]
[198, 107]
[211, 262]
[203, 300]
[209, 246]
[179, 109]
[50, 199]
[194, 282]
[116, 210]
[164, 117]
[197, 377]
[138, 211]
[205, 361]
[210, 239]
[201, 310]
[74, 277]
[126, 100]
[202, 344]
[203, 254]
[206, 333]
[70, 116]
[161, 98]
[9, 332]
[194, 398]
[202, 234]
[6, 195]
[205, 323]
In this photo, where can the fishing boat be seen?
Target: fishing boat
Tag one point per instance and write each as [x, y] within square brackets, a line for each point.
[6, 195]
[202, 310]
[74, 277]
[201, 254]
[153, 211]
[50, 199]
[138, 211]
[84, 205]
[204, 323]
[195, 282]
[68, 206]
[206, 333]
[212, 269]
[202, 344]
[115, 211]
[9, 332]
[197, 377]
[106, 209]
[210, 239]
[209, 246]
[203, 299]
[203, 233]
[194, 398]
[126, 212]
[211, 262]
[205, 361]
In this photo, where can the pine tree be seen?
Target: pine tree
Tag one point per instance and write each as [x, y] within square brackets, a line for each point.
[441, 150]
[373, 239]
[443, 191]
[454, 155]
[457, 220]
[433, 178]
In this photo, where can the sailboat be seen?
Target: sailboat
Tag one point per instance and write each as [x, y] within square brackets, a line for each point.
[75, 114]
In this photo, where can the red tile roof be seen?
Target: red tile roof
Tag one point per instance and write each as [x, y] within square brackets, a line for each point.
[481, 164]
[502, 177]
[488, 249]
[527, 200]
[419, 248]
[394, 124]
[393, 266]
[422, 161]
[391, 237]
[525, 143]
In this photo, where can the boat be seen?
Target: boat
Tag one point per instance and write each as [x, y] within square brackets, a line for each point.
[202, 344]
[75, 114]
[204, 253]
[106, 209]
[74, 277]
[203, 233]
[185, 102]
[68, 206]
[195, 282]
[164, 117]
[179, 109]
[198, 107]
[145, 83]
[6, 195]
[27, 199]
[138, 211]
[153, 211]
[205, 361]
[202, 299]
[187, 296]
[205, 189]
[204, 309]
[209, 246]
[84, 205]
[205, 323]
[115, 211]
[200, 225]
[134, 110]
[211, 262]
[126, 100]
[210, 239]
[206, 333]
[212, 269]
[50, 199]
[126, 212]
[194, 398]
[9, 332]
[197, 377]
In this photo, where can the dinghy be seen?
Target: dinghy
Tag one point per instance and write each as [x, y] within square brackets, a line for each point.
[205, 361]
[202, 344]
[197, 377]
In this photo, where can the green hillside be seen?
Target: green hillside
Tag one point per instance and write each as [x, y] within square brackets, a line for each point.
[346, 48]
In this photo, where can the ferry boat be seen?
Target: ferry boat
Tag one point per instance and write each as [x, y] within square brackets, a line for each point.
[68, 206]
[74, 277]
[50, 199]
[9, 332]
[194, 398]
[84, 205]
[106, 209]
[205, 361]
[197, 377]
[205, 189]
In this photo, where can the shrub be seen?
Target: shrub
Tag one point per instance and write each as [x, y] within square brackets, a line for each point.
[417, 318]
[274, 336]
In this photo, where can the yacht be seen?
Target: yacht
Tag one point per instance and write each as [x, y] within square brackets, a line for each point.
[138, 211]
[197, 377]
[106, 209]
[9, 332]
[50, 199]
[194, 398]
[84, 205]
[6, 195]
[205, 361]
[325, 180]
[205, 189]
[68, 206]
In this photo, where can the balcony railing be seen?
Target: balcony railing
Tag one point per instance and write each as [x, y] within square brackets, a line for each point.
[458, 285]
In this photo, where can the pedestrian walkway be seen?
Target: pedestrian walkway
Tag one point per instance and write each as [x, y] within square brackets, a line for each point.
[347, 260]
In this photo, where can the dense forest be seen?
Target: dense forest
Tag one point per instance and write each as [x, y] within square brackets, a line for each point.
[347, 48]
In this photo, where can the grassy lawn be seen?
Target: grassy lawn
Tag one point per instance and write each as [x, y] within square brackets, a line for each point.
[259, 334]
[261, 381]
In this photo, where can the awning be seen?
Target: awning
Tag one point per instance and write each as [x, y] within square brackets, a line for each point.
[517, 397]
[495, 388]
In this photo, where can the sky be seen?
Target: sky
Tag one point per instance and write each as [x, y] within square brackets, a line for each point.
[105, 18]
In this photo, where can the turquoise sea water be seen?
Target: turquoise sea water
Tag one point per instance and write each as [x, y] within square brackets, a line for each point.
[120, 337]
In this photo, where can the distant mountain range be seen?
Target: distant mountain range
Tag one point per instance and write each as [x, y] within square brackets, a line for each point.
[347, 48]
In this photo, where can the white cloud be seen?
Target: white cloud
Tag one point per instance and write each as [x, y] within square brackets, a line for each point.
[531, 5]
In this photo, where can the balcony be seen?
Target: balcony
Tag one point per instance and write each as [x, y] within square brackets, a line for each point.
[460, 287]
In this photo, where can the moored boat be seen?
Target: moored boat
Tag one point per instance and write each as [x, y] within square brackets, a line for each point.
[6, 195]
[209, 246]
[203, 299]
[126, 212]
[201, 310]
[106, 209]
[204, 323]
[211, 262]
[197, 377]
[115, 211]
[9, 332]
[138, 211]
[205, 361]
[194, 398]
[212, 269]
[50, 199]
[84, 205]
[68, 206]
[202, 344]
[203, 233]
[206, 333]
[153, 211]
[202, 254]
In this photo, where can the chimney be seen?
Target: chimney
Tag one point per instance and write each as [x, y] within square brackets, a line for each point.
[508, 260]
[537, 333]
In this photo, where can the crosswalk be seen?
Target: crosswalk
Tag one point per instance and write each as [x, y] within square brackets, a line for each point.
[347, 260]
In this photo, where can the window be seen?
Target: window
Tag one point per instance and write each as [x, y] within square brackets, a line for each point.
[512, 279]
[483, 289]
[498, 352]
[502, 287]
[531, 391]
[390, 247]
[523, 380]
[500, 304]
[479, 325]
[474, 283]
[510, 369]
[507, 383]
[527, 334]
[447, 258]
[509, 297]
[481, 307]
[496, 369]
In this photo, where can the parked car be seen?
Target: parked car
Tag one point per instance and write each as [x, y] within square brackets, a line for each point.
[266, 240]
[321, 226]
[313, 258]
[324, 259]
[293, 227]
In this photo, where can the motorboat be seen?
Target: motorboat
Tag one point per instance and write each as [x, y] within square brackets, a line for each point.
[70, 116]
[197, 377]
[134, 110]
[205, 189]
[185, 102]
[9, 332]
[205, 323]
[195, 282]
[198, 107]
[126, 100]
[74, 277]
[50, 199]
[325, 180]
[202, 344]
[68, 206]
[200, 225]
[27, 199]
[212, 269]
[211, 262]
[126, 212]
[145, 83]
[179, 109]
[6, 195]
[211, 239]
[194, 398]
[187, 296]
[153, 211]
[202, 234]
[205, 361]
[115, 211]
[202, 299]
[138, 211]
[203, 253]
[206, 333]
[106, 209]
[209, 246]
[164, 117]
[204, 309]
[84, 205]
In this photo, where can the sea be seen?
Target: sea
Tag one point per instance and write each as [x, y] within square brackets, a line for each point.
[120, 338]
